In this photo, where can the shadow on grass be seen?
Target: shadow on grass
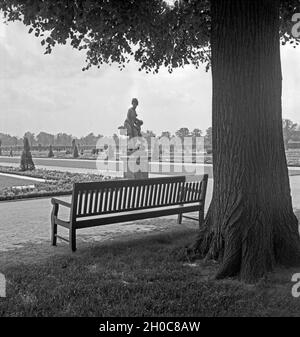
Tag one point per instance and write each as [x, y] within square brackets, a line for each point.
[141, 277]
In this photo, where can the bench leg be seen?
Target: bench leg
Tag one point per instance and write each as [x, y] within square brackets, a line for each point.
[54, 225]
[72, 239]
[201, 218]
[179, 219]
[53, 234]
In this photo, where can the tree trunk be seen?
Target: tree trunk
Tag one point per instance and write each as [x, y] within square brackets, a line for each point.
[250, 225]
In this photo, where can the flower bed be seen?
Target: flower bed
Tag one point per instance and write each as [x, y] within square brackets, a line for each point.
[56, 183]
[293, 157]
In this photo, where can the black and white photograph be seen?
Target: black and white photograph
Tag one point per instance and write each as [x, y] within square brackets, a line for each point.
[149, 163]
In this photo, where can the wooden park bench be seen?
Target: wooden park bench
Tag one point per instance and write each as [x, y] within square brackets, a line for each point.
[116, 201]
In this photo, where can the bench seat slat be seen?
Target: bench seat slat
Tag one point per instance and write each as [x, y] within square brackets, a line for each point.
[135, 216]
[63, 223]
[137, 208]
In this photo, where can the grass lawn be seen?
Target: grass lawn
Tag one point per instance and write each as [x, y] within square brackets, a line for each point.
[10, 182]
[146, 276]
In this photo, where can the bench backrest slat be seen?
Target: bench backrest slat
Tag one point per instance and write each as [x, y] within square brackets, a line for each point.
[96, 207]
[96, 198]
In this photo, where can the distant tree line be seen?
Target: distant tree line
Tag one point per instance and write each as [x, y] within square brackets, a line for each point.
[47, 139]
[63, 139]
[291, 133]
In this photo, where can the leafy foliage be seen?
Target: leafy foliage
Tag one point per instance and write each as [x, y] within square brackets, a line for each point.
[182, 133]
[148, 134]
[166, 134]
[196, 133]
[149, 31]
[287, 9]
[155, 33]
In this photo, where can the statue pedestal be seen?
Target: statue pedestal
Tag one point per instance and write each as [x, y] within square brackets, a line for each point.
[135, 165]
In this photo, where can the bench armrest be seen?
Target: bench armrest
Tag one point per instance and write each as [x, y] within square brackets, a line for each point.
[60, 202]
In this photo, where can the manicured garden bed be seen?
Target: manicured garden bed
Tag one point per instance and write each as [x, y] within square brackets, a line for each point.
[293, 157]
[56, 183]
[6, 181]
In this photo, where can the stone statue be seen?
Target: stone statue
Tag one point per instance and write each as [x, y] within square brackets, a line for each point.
[132, 123]
[135, 148]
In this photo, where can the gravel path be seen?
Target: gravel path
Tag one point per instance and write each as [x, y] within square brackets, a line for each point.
[25, 225]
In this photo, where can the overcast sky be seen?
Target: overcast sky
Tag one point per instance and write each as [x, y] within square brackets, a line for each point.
[50, 92]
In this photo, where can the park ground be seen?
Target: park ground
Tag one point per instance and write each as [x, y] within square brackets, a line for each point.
[134, 269]
[140, 275]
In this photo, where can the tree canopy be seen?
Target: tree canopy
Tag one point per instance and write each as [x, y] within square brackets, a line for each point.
[155, 33]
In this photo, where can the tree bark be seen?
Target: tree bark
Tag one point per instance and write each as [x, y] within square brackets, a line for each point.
[250, 225]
